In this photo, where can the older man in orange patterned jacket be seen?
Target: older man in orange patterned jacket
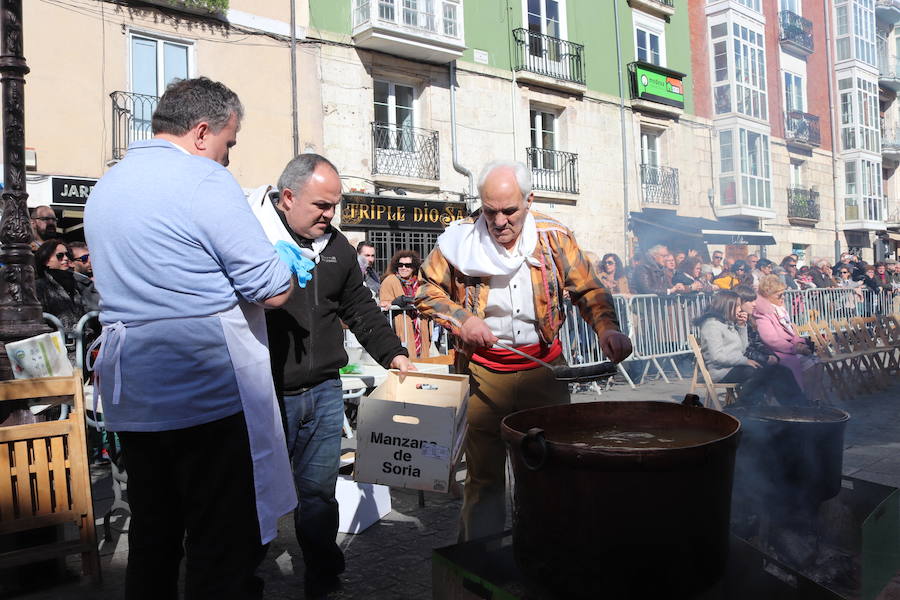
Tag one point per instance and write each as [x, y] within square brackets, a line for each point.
[501, 277]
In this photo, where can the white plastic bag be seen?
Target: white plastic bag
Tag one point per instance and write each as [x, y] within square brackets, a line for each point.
[39, 356]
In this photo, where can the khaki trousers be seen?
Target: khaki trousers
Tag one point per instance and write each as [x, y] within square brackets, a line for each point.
[492, 396]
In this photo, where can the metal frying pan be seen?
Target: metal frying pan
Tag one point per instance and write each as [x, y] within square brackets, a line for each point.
[567, 373]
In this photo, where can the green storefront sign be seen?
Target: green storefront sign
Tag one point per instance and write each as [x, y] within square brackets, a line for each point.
[657, 84]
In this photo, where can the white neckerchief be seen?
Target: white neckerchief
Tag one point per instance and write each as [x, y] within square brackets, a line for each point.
[470, 248]
[267, 214]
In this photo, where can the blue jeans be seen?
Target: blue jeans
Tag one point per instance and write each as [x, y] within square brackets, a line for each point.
[314, 419]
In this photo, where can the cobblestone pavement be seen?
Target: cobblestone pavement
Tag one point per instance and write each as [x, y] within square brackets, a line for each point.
[392, 559]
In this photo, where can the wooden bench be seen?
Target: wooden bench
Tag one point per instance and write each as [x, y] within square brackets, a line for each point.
[44, 475]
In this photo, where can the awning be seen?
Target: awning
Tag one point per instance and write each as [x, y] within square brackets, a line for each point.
[662, 227]
[755, 238]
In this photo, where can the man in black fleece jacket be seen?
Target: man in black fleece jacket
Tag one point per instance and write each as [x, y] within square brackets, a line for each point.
[307, 350]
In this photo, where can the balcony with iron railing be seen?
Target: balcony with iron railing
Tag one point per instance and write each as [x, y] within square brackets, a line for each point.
[553, 171]
[131, 115]
[802, 129]
[548, 60]
[659, 8]
[803, 206]
[429, 31]
[659, 185]
[796, 33]
[405, 152]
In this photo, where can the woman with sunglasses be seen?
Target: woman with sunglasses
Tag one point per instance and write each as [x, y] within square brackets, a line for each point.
[398, 288]
[55, 284]
[612, 274]
[777, 332]
[845, 280]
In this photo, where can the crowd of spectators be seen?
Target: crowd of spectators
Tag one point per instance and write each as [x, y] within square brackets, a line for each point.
[665, 273]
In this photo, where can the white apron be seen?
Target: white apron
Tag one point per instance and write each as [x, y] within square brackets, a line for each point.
[244, 327]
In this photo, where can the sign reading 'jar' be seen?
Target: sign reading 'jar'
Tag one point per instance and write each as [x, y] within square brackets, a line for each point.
[367, 211]
[71, 190]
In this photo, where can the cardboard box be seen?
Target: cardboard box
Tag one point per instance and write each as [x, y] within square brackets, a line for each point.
[410, 434]
[360, 505]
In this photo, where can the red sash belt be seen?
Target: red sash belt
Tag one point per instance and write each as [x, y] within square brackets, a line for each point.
[498, 359]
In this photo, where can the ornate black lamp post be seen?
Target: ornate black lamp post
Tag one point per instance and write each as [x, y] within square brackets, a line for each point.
[20, 311]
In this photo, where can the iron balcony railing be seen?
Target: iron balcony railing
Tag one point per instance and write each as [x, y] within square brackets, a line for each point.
[669, 3]
[659, 185]
[405, 151]
[550, 56]
[803, 204]
[131, 114]
[796, 30]
[553, 171]
[802, 128]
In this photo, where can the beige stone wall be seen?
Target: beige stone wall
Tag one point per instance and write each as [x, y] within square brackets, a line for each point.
[817, 173]
[493, 123]
[78, 57]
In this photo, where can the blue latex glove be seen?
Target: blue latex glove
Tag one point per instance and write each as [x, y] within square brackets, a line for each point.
[300, 265]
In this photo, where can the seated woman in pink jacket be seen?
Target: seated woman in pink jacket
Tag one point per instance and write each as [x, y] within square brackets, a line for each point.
[776, 332]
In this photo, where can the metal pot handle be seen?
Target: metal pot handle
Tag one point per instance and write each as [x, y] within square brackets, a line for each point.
[535, 436]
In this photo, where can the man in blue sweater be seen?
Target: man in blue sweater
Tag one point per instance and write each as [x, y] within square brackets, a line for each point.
[184, 271]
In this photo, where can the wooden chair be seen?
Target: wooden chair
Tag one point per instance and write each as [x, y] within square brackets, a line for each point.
[712, 387]
[868, 331]
[888, 331]
[833, 362]
[866, 361]
[44, 476]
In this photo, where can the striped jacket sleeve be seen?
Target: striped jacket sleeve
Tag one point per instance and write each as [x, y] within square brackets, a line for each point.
[435, 297]
[587, 292]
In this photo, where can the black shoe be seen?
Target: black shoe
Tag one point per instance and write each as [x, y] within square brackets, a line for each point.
[319, 586]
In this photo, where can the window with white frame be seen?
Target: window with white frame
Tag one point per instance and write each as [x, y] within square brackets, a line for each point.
[451, 19]
[155, 63]
[863, 198]
[543, 138]
[744, 168]
[752, 4]
[794, 92]
[649, 38]
[650, 147]
[544, 17]
[394, 115]
[793, 6]
[796, 174]
[755, 171]
[650, 162]
[855, 30]
[739, 71]
[860, 118]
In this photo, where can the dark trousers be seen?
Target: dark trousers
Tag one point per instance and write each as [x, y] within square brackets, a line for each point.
[191, 494]
[776, 380]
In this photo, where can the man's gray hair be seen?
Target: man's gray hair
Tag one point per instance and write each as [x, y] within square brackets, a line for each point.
[299, 170]
[656, 250]
[522, 173]
[187, 102]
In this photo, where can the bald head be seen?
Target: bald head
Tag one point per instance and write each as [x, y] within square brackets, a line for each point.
[503, 205]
